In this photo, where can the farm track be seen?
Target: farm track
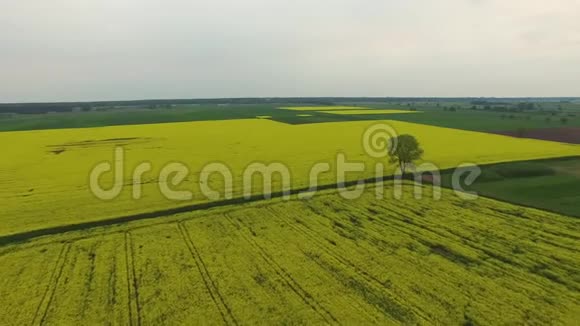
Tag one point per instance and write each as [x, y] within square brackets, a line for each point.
[28, 235]
[216, 297]
[24, 236]
[42, 310]
[376, 284]
[287, 277]
[134, 308]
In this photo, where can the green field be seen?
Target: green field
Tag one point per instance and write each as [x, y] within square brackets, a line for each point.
[127, 116]
[322, 261]
[431, 114]
[485, 121]
[553, 185]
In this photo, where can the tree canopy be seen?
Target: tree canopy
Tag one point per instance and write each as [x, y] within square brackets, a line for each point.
[404, 150]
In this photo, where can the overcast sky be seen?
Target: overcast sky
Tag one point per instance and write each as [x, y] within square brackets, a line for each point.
[56, 50]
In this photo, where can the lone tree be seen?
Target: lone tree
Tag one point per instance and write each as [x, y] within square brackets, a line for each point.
[404, 150]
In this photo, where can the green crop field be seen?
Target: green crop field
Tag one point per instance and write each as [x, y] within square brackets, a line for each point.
[547, 184]
[320, 261]
[485, 121]
[547, 115]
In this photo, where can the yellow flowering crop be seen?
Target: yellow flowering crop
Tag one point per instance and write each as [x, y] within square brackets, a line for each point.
[361, 112]
[323, 261]
[322, 108]
[45, 174]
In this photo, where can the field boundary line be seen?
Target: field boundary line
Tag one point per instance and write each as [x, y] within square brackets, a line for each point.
[210, 285]
[25, 236]
[42, 310]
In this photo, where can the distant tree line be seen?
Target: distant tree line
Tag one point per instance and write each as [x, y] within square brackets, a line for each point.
[505, 107]
[487, 103]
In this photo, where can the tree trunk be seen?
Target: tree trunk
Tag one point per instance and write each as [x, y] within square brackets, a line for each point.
[402, 166]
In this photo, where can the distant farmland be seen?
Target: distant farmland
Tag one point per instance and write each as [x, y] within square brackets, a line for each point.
[46, 183]
[321, 261]
[68, 257]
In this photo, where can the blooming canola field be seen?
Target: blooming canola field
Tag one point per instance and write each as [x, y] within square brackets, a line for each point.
[45, 174]
[326, 260]
[322, 108]
[367, 112]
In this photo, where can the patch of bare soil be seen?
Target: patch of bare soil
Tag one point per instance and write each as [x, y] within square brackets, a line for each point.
[563, 134]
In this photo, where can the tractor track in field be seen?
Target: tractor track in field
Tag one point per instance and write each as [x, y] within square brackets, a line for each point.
[401, 226]
[286, 276]
[220, 303]
[371, 236]
[134, 307]
[315, 237]
[497, 261]
[42, 309]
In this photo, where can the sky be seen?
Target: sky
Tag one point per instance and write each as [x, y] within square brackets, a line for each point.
[71, 50]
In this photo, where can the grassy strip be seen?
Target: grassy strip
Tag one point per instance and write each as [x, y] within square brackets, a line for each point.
[540, 184]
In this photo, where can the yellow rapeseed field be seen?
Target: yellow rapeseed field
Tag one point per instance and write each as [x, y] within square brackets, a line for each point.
[364, 112]
[45, 173]
[322, 108]
[326, 260]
